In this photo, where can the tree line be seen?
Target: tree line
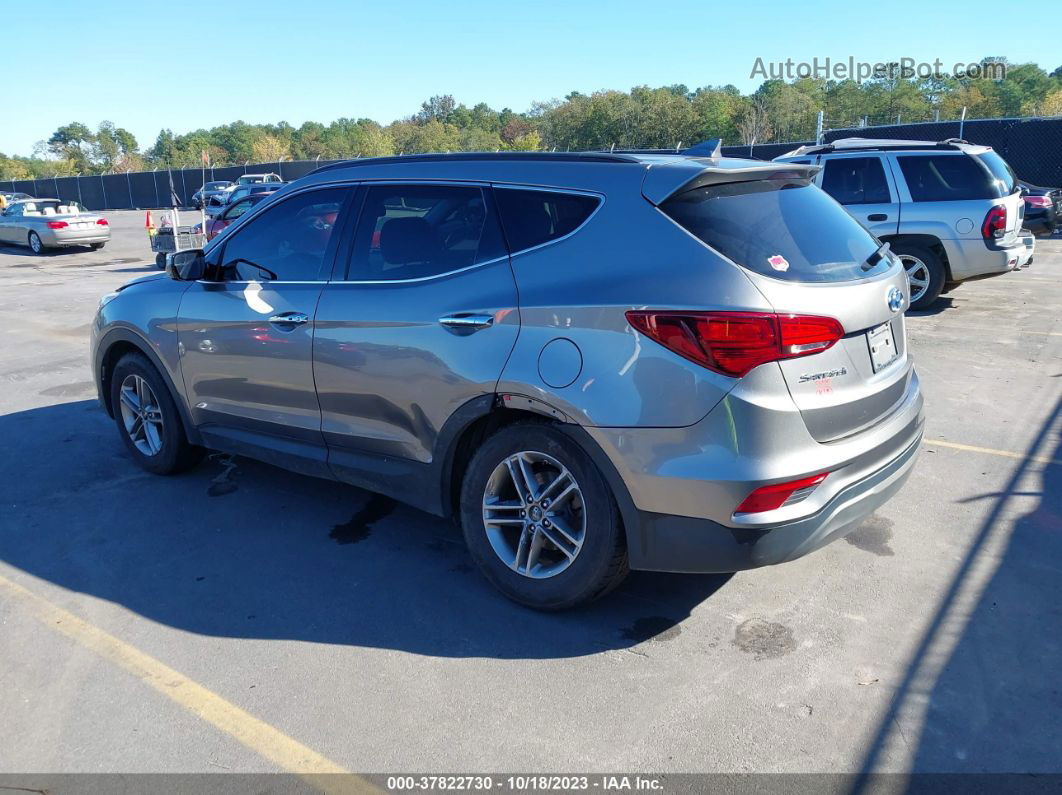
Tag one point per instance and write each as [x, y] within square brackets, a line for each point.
[643, 117]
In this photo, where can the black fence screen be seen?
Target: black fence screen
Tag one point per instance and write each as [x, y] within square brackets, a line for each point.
[1033, 147]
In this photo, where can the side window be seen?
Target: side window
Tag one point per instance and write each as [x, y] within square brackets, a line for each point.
[415, 231]
[941, 178]
[289, 240]
[856, 180]
[533, 217]
[238, 209]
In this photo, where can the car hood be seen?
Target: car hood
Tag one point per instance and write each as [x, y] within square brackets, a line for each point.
[151, 277]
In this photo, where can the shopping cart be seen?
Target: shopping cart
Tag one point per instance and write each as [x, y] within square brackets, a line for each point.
[170, 240]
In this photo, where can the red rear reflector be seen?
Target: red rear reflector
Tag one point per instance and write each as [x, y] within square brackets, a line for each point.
[102, 222]
[995, 223]
[732, 343]
[767, 498]
[57, 224]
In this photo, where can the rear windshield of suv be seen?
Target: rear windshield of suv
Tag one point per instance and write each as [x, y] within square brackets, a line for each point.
[954, 177]
[783, 228]
[1001, 170]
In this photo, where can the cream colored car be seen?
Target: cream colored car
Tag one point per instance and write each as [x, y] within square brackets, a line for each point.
[52, 223]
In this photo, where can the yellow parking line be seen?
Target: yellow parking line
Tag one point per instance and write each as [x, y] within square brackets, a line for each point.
[970, 448]
[257, 735]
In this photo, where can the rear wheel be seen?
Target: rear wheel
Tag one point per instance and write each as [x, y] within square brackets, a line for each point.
[98, 246]
[160, 261]
[35, 243]
[147, 418]
[925, 273]
[539, 519]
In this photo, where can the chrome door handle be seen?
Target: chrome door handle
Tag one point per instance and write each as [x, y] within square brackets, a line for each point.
[467, 322]
[290, 318]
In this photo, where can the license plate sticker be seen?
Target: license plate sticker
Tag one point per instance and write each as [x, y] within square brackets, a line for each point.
[882, 344]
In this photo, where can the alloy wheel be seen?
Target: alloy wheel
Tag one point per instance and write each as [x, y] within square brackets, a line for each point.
[917, 275]
[35, 243]
[141, 415]
[534, 515]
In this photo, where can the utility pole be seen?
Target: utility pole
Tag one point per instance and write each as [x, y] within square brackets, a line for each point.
[818, 126]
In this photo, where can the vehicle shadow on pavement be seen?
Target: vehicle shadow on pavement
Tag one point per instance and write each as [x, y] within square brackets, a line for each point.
[239, 549]
[985, 678]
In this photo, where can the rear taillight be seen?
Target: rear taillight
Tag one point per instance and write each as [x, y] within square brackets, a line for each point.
[57, 224]
[767, 498]
[732, 343]
[995, 223]
[102, 222]
[1038, 201]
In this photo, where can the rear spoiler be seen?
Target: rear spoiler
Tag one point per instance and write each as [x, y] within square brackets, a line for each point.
[664, 180]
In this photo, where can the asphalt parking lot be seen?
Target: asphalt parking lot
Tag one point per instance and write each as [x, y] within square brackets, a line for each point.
[243, 618]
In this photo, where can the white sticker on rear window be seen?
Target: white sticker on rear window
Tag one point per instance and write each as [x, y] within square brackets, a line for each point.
[778, 262]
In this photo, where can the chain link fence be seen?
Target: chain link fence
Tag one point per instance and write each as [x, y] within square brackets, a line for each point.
[1032, 146]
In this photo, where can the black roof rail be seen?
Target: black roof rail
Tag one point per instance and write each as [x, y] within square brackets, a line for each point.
[584, 157]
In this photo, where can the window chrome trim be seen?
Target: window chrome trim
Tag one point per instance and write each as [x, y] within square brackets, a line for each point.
[367, 183]
[571, 192]
[422, 278]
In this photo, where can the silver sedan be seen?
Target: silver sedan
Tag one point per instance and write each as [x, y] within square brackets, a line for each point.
[52, 223]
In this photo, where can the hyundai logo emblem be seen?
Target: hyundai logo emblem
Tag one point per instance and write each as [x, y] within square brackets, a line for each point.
[895, 299]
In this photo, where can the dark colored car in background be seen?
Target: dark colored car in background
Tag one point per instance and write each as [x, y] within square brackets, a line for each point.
[217, 205]
[209, 191]
[215, 226]
[1043, 208]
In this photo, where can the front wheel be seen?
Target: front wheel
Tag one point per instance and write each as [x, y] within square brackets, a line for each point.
[35, 243]
[147, 418]
[539, 519]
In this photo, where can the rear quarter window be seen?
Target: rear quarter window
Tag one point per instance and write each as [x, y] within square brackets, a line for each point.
[533, 217]
[941, 178]
[785, 229]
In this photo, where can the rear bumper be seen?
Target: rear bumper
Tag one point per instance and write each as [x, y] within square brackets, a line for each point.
[63, 237]
[684, 484]
[974, 258]
[684, 544]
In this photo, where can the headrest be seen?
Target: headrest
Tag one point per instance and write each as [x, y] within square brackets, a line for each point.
[408, 240]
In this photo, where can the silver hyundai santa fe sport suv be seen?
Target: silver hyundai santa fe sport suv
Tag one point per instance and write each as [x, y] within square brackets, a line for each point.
[597, 362]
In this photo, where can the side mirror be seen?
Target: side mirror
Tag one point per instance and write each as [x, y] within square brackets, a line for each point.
[186, 266]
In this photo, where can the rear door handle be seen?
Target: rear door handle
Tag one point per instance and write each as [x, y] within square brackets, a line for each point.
[467, 322]
[877, 217]
[290, 319]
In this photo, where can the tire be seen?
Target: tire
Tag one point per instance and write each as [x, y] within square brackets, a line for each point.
[929, 269]
[35, 244]
[160, 446]
[160, 261]
[585, 520]
[98, 246]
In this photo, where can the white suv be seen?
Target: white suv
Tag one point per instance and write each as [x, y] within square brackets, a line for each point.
[951, 211]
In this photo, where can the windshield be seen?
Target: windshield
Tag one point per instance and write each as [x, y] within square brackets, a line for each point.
[216, 185]
[783, 228]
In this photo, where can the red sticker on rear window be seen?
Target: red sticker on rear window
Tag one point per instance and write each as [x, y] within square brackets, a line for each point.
[778, 262]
